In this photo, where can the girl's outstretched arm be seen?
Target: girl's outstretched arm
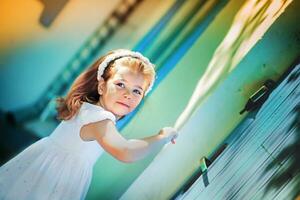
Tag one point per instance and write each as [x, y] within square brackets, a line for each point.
[119, 147]
[140, 148]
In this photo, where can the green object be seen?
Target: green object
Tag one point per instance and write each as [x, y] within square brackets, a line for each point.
[203, 165]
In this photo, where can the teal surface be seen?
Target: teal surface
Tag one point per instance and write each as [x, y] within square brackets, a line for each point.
[262, 158]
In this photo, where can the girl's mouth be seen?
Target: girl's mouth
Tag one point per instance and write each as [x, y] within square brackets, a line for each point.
[123, 104]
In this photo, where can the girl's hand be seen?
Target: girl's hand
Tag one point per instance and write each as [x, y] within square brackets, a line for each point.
[168, 134]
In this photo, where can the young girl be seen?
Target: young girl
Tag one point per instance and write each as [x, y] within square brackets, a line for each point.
[60, 166]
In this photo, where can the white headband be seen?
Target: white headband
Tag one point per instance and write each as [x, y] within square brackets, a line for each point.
[120, 54]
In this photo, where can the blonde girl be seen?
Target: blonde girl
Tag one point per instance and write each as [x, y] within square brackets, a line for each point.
[60, 166]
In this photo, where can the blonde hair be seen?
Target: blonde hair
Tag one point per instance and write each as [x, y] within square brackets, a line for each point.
[85, 86]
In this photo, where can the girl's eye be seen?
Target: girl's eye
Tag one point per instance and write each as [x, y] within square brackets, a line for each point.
[120, 85]
[137, 92]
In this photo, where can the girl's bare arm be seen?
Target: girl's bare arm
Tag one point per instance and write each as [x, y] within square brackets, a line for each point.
[119, 147]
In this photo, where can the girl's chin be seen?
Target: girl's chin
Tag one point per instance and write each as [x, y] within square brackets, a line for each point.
[119, 114]
[121, 110]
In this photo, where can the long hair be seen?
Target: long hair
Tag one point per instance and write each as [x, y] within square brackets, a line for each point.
[85, 86]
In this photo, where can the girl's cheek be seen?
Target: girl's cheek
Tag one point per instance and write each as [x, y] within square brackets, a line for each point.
[138, 101]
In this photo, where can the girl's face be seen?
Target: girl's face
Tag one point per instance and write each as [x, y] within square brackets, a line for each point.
[122, 92]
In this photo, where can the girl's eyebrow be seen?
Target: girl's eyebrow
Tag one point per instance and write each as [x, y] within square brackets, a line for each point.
[135, 85]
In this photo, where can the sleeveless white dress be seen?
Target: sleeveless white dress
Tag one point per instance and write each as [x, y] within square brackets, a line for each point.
[58, 166]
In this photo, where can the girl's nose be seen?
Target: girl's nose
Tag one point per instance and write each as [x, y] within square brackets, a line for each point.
[127, 94]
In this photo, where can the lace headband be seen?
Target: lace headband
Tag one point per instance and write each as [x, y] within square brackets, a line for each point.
[120, 54]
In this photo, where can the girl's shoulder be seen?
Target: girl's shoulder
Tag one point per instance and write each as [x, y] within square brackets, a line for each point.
[90, 113]
[90, 106]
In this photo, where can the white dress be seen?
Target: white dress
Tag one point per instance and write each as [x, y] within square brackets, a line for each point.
[58, 166]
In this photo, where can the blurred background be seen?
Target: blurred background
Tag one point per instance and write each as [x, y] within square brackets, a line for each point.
[226, 55]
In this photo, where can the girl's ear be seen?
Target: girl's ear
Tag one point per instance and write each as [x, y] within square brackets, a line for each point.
[101, 85]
